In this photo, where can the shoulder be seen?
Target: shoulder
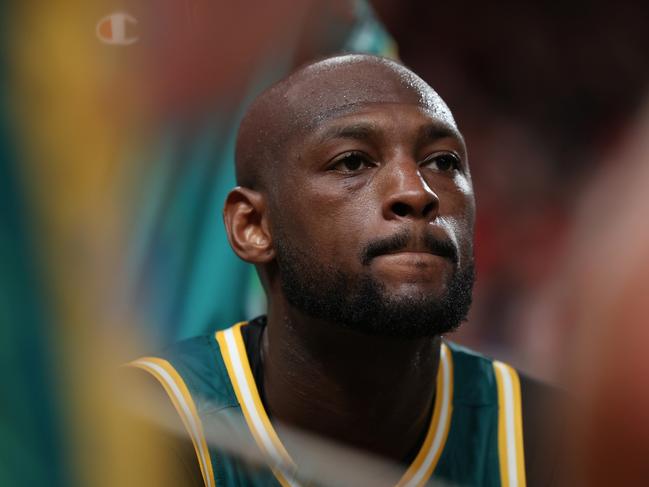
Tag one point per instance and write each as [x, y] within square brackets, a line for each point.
[473, 367]
[160, 404]
[187, 385]
[541, 406]
[194, 368]
[543, 422]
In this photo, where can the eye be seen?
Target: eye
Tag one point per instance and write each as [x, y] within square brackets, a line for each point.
[352, 162]
[443, 162]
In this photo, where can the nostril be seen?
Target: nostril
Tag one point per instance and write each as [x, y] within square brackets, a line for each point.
[428, 208]
[400, 209]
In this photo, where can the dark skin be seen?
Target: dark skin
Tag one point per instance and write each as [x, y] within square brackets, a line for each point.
[366, 150]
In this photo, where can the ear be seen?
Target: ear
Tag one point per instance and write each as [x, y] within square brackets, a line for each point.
[246, 222]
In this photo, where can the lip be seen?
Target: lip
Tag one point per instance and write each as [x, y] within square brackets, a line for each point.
[412, 243]
[410, 252]
[415, 252]
[415, 257]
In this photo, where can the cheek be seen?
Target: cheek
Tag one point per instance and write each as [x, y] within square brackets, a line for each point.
[458, 218]
[317, 224]
[464, 185]
[465, 188]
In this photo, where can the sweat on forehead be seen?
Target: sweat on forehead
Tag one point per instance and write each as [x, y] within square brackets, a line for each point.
[316, 92]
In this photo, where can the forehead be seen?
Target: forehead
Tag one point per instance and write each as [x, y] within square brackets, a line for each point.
[385, 123]
[339, 87]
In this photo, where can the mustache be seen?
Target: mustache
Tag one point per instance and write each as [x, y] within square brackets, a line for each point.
[400, 241]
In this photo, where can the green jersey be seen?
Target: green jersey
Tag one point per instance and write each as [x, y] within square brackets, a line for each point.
[475, 436]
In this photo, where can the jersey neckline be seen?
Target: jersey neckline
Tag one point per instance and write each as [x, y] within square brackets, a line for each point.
[237, 363]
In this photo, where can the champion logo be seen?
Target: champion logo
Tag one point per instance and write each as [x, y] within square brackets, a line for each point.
[113, 29]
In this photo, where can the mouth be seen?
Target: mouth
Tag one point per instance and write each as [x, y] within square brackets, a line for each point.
[403, 248]
[415, 253]
[419, 271]
[414, 258]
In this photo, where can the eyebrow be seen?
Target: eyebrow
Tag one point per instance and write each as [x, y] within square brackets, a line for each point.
[433, 132]
[355, 131]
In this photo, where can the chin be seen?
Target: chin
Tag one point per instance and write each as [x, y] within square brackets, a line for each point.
[415, 291]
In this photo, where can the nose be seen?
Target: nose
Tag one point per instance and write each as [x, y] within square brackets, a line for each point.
[407, 194]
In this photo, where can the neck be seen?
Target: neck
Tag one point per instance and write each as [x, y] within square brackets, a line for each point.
[372, 393]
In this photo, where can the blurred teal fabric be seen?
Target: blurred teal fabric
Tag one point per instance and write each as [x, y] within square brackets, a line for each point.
[184, 276]
[32, 449]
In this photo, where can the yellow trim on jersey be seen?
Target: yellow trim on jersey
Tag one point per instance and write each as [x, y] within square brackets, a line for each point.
[426, 460]
[236, 361]
[177, 391]
[510, 426]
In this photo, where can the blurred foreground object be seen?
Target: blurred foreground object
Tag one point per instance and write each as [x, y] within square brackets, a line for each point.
[600, 324]
[85, 124]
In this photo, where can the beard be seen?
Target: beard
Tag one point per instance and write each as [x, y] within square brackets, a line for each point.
[363, 304]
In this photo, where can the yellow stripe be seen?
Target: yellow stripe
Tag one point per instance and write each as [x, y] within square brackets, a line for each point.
[220, 338]
[200, 445]
[259, 406]
[447, 424]
[225, 352]
[435, 423]
[505, 443]
[518, 424]
[502, 434]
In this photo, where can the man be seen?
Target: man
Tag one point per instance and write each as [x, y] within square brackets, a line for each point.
[356, 206]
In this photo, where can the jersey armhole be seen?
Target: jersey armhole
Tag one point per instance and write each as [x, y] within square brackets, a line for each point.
[182, 401]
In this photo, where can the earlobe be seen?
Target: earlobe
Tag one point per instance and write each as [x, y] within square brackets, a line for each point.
[246, 223]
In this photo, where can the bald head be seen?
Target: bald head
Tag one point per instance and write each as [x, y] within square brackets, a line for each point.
[330, 87]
